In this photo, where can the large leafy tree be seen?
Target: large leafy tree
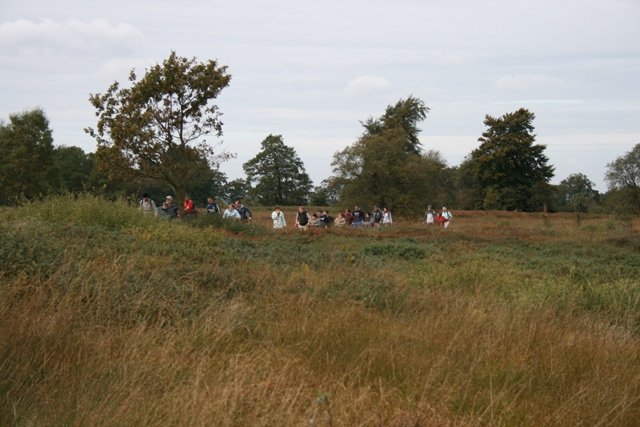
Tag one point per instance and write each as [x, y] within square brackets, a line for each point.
[405, 115]
[623, 175]
[71, 170]
[509, 166]
[577, 193]
[26, 149]
[277, 175]
[234, 190]
[157, 128]
[387, 166]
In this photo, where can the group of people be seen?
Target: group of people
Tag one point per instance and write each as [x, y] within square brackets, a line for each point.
[170, 210]
[356, 218]
[441, 219]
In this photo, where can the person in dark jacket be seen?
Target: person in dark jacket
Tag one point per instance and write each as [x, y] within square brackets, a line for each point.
[358, 216]
[302, 218]
[376, 217]
[245, 213]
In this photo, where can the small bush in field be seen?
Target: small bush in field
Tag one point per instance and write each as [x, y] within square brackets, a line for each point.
[28, 251]
[233, 226]
[403, 250]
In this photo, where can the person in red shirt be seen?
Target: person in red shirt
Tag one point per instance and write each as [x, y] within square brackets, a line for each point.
[189, 208]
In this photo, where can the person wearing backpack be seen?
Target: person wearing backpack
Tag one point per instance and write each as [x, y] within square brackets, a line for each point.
[302, 219]
[447, 217]
[376, 216]
[147, 205]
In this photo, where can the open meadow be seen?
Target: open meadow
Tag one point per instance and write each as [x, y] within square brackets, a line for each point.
[108, 317]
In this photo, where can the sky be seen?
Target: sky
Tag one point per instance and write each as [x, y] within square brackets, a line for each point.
[312, 71]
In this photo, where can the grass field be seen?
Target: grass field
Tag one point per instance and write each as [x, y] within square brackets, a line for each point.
[111, 318]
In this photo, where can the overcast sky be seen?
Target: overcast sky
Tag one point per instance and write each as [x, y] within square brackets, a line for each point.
[311, 71]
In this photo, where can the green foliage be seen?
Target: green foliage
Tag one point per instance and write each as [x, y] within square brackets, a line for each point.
[576, 194]
[623, 174]
[508, 164]
[405, 114]
[26, 148]
[277, 175]
[237, 189]
[386, 166]
[156, 129]
[401, 250]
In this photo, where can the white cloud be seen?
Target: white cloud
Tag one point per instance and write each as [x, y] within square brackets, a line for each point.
[71, 37]
[119, 68]
[367, 84]
[521, 82]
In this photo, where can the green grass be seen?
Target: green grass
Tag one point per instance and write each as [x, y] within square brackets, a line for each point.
[110, 317]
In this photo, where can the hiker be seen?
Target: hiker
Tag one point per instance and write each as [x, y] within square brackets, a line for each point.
[315, 221]
[172, 208]
[188, 206]
[278, 218]
[340, 220]
[376, 217]
[231, 213]
[447, 217]
[245, 213]
[358, 217]
[386, 217]
[147, 205]
[348, 216]
[302, 219]
[212, 206]
[327, 219]
[429, 216]
[367, 221]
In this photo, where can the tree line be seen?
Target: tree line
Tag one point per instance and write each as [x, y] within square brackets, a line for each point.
[153, 137]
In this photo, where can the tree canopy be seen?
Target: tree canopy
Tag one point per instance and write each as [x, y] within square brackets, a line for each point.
[577, 193]
[157, 128]
[26, 149]
[277, 175]
[405, 114]
[386, 166]
[623, 174]
[508, 165]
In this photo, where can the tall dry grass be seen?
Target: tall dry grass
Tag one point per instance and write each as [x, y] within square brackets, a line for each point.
[499, 320]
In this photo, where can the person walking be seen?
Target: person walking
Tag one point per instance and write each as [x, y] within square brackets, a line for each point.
[188, 206]
[231, 213]
[348, 217]
[278, 218]
[430, 216]
[148, 206]
[386, 217]
[245, 213]
[212, 206]
[447, 216]
[376, 216]
[302, 219]
[172, 208]
[358, 216]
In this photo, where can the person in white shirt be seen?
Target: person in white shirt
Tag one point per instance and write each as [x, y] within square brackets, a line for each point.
[278, 218]
[386, 217]
[147, 205]
[447, 217]
[231, 213]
